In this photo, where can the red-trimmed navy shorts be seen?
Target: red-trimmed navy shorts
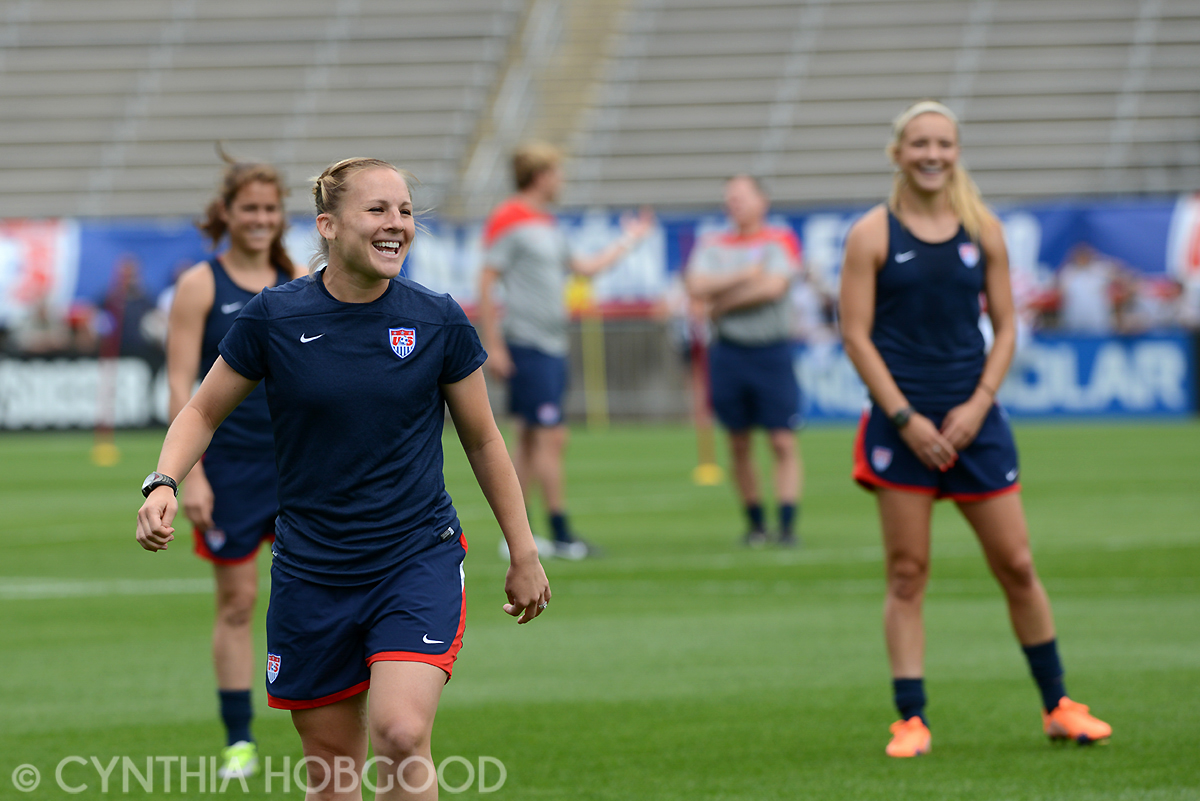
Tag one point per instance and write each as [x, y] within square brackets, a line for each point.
[245, 505]
[985, 468]
[322, 639]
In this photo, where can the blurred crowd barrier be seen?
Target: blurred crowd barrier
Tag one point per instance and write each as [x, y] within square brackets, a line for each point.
[645, 377]
[1108, 296]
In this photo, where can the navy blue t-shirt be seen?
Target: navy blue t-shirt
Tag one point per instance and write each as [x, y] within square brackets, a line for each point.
[357, 413]
[246, 432]
[926, 324]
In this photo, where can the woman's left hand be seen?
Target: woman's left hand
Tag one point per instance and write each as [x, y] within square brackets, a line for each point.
[962, 423]
[527, 588]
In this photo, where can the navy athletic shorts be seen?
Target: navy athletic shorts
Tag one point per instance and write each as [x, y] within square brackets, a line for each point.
[754, 386]
[985, 468]
[245, 505]
[322, 639]
[537, 386]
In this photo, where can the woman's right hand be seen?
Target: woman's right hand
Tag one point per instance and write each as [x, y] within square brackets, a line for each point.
[527, 588]
[930, 446]
[198, 500]
[154, 530]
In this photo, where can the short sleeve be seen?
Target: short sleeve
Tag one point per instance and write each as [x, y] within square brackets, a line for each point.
[463, 353]
[244, 347]
[499, 255]
[777, 261]
[782, 255]
[702, 261]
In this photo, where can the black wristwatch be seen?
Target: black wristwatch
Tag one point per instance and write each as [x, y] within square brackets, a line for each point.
[900, 419]
[155, 480]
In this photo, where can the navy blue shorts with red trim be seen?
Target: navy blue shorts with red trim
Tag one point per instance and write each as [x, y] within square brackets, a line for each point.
[245, 505]
[322, 639]
[985, 468]
[537, 386]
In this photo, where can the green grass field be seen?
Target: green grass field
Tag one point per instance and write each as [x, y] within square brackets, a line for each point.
[677, 667]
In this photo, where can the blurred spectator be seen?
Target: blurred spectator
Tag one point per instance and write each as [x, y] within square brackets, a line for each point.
[1189, 303]
[81, 321]
[1091, 288]
[1154, 304]
[41, 331]
[139, 324]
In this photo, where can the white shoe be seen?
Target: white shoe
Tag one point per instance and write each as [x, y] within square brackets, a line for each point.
[545, 548]
[575, 550]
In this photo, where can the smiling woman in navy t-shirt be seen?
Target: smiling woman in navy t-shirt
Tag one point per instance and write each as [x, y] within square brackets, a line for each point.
[367, 583]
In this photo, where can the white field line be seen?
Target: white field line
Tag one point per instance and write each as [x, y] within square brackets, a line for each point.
[30, 589]
[23, 588]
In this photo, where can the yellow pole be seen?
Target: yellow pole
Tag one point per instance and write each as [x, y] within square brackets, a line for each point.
[581, 301]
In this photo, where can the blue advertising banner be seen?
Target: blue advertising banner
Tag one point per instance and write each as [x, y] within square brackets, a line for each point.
[1052, 376]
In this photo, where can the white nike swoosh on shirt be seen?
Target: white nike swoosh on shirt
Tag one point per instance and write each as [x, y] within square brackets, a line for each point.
[1011, 475]
[230, 308]
[425, 639]
[906, 256]
[304, 338]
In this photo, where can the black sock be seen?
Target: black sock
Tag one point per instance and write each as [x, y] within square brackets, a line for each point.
[788, 512]
[236, 712]
[1047, 672]
[909, 695]
[754, 512]
[558, 524]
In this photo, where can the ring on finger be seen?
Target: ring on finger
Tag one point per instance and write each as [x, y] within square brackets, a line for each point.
[937, 448]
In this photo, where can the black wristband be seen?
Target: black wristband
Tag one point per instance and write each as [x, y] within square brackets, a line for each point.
[901, 417]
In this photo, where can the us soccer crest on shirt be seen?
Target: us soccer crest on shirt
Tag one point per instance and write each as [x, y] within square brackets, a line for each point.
[403, 340]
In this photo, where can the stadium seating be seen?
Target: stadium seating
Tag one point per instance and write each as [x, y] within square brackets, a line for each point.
[112, 107]
[1058, 97]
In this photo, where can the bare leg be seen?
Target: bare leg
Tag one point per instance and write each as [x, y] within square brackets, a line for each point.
[905, 518]
[404, 701]
[334, 739]
[548, 445]
[523, 459]
[741, 448]
[789, 470]
[999, 524]
[233, 644]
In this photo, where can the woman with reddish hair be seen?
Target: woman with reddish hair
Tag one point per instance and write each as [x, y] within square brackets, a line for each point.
[230, 496]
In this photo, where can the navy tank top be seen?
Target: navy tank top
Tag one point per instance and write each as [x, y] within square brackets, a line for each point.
[246, 432]
[927, 317]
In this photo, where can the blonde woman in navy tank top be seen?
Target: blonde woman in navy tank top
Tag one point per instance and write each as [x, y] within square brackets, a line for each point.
[915, 268]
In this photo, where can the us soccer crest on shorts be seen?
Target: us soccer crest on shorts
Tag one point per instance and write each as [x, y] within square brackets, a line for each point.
[880, 458]
[272, 667]
[215, 538]
[403, 340]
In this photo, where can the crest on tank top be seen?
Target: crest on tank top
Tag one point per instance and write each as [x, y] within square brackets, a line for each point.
[969, 253]
[403, 340]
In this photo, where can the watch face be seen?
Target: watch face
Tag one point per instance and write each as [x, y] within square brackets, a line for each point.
[149, 479]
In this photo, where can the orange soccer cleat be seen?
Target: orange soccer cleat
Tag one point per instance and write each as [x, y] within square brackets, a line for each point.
[1071, 721]
[910, 738]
